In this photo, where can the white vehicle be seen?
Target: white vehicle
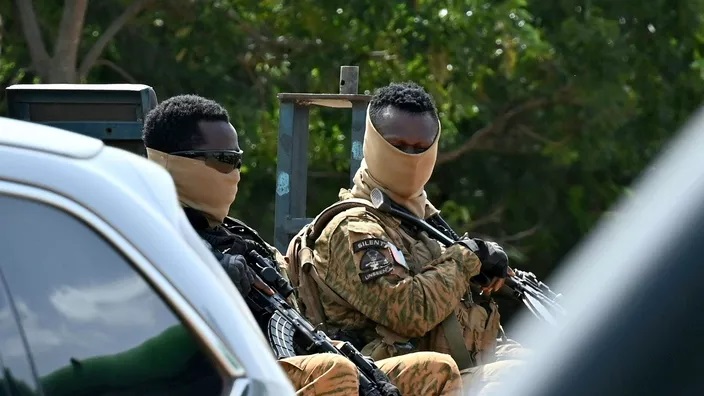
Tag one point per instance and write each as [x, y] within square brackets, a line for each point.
[104, 286]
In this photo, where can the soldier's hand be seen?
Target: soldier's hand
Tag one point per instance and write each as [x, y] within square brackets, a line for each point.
[236, 268]
[494, 285]
[242, 276]
[240, 246]
[494, 262]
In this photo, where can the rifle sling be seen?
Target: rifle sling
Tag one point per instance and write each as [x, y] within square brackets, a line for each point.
[455, 340]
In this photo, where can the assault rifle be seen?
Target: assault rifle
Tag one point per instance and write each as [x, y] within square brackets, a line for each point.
[290, 334]
[536, 295]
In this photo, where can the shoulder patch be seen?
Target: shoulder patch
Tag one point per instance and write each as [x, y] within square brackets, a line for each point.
[369, 243]
[374, 265]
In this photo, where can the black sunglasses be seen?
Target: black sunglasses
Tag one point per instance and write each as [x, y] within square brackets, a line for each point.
[224, 161]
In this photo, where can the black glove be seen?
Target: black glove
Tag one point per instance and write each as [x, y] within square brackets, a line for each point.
[492, 256]
[238, 271]
[244, 246]
[239, 246]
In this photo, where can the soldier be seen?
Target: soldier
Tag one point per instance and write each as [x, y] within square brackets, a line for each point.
[386, 287]
[193, 139]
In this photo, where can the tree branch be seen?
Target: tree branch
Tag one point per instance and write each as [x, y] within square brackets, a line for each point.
[99, 46]
[35, 42]
[117, 69]
[521, 234]
[67, 41]
[261, 90]
[492, 128]
[493, 217]
[522, 129]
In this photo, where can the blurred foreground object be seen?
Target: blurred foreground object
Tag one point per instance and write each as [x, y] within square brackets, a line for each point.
[634, 293]
[104, 285]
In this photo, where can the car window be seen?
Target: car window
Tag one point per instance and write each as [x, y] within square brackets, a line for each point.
[16, 377]
[93, 324]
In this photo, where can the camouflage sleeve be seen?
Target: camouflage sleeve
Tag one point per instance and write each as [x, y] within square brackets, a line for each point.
[372, 278]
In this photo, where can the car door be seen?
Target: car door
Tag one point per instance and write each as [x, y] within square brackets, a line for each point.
[89, 321]
[16, 373]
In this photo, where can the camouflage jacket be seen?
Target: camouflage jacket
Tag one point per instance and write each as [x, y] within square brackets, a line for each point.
[399, 289]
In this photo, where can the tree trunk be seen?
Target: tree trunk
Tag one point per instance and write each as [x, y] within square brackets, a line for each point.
[63, 65]
[33, 36]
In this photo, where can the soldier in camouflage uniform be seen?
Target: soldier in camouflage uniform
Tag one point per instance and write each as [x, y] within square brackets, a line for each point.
[204, 159]
[390, 289]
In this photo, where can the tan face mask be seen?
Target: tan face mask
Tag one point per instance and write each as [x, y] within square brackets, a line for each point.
[199, 186]
[401, 173]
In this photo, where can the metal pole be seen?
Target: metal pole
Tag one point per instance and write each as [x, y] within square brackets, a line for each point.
[349, 84]
[349, 80]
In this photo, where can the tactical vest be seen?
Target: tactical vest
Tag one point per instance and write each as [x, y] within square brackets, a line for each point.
[220, 238]
[241, 229]
[469, 335]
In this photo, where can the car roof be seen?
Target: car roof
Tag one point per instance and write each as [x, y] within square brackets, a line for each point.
[634, 293]
[138, 199]
[22, 134]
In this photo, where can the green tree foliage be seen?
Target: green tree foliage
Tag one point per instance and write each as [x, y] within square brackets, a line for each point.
[549, 109]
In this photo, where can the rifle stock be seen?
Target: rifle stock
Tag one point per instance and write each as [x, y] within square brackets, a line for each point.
[287, 329]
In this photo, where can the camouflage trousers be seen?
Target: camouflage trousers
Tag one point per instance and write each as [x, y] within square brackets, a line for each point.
[421, 374]
[321, 374]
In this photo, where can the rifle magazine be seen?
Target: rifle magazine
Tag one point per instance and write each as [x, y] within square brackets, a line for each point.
[280, 332]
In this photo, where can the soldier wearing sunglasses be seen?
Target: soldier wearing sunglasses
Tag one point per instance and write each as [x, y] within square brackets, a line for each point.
[192, 138]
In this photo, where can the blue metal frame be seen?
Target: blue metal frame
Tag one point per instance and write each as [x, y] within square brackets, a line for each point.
[359, 119]
[291, 172]
[292, 151]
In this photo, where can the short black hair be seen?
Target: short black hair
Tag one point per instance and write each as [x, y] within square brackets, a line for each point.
[407, 96]
[173, 124]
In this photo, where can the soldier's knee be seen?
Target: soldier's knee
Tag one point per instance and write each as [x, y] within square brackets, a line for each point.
[447, 361]
[445, 370]
[439, 363]
[341, 365]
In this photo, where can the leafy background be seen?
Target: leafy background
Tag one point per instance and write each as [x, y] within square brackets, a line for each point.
[549, 108]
